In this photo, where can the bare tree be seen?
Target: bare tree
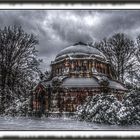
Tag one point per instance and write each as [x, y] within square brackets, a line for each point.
[120, 51]
[137, 72]
[18, 63]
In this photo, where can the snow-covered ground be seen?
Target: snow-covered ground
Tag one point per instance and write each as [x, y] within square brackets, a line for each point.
[9, 123]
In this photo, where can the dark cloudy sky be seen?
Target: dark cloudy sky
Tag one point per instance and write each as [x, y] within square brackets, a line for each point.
[57, 29]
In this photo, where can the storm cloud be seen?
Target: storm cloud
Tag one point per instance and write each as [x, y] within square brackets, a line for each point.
[57, 29]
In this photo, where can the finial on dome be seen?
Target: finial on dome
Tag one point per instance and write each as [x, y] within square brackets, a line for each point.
[80, 43]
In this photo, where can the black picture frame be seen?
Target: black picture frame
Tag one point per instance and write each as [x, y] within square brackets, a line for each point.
[70, 138]
[72, 2]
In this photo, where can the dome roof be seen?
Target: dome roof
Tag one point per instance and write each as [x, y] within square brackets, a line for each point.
[80, 49]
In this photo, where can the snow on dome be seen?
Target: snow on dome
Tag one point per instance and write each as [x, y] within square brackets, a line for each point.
[80, 49]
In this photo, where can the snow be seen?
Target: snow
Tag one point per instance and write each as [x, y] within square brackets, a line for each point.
[112, 84]
[80, 49]
[11, 123]
[90, 82]
[78, 82]
[116, 85]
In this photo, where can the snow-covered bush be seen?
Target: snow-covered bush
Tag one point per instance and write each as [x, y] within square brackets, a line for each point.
[18, 108]
[104, 81]
[19, 104]
[130, 114]
[105, 108]
[101, 108]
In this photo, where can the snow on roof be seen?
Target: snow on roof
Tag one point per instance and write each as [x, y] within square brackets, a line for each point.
[90, 82]
[80, 82]
[116, 85]
[80, 48]
[113, 84]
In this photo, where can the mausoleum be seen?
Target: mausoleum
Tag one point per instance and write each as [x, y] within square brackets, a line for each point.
[77, 72]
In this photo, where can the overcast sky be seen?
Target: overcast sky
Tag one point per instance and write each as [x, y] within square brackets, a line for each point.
[57, 29]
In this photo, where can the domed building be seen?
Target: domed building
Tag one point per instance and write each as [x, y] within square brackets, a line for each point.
[77, 72]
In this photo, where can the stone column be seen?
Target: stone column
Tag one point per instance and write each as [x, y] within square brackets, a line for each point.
[110, 74]
[72, 65]
[105, 69]
[98, 70]
[102, 68]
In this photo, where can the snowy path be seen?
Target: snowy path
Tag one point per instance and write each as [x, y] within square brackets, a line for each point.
[55, 124]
